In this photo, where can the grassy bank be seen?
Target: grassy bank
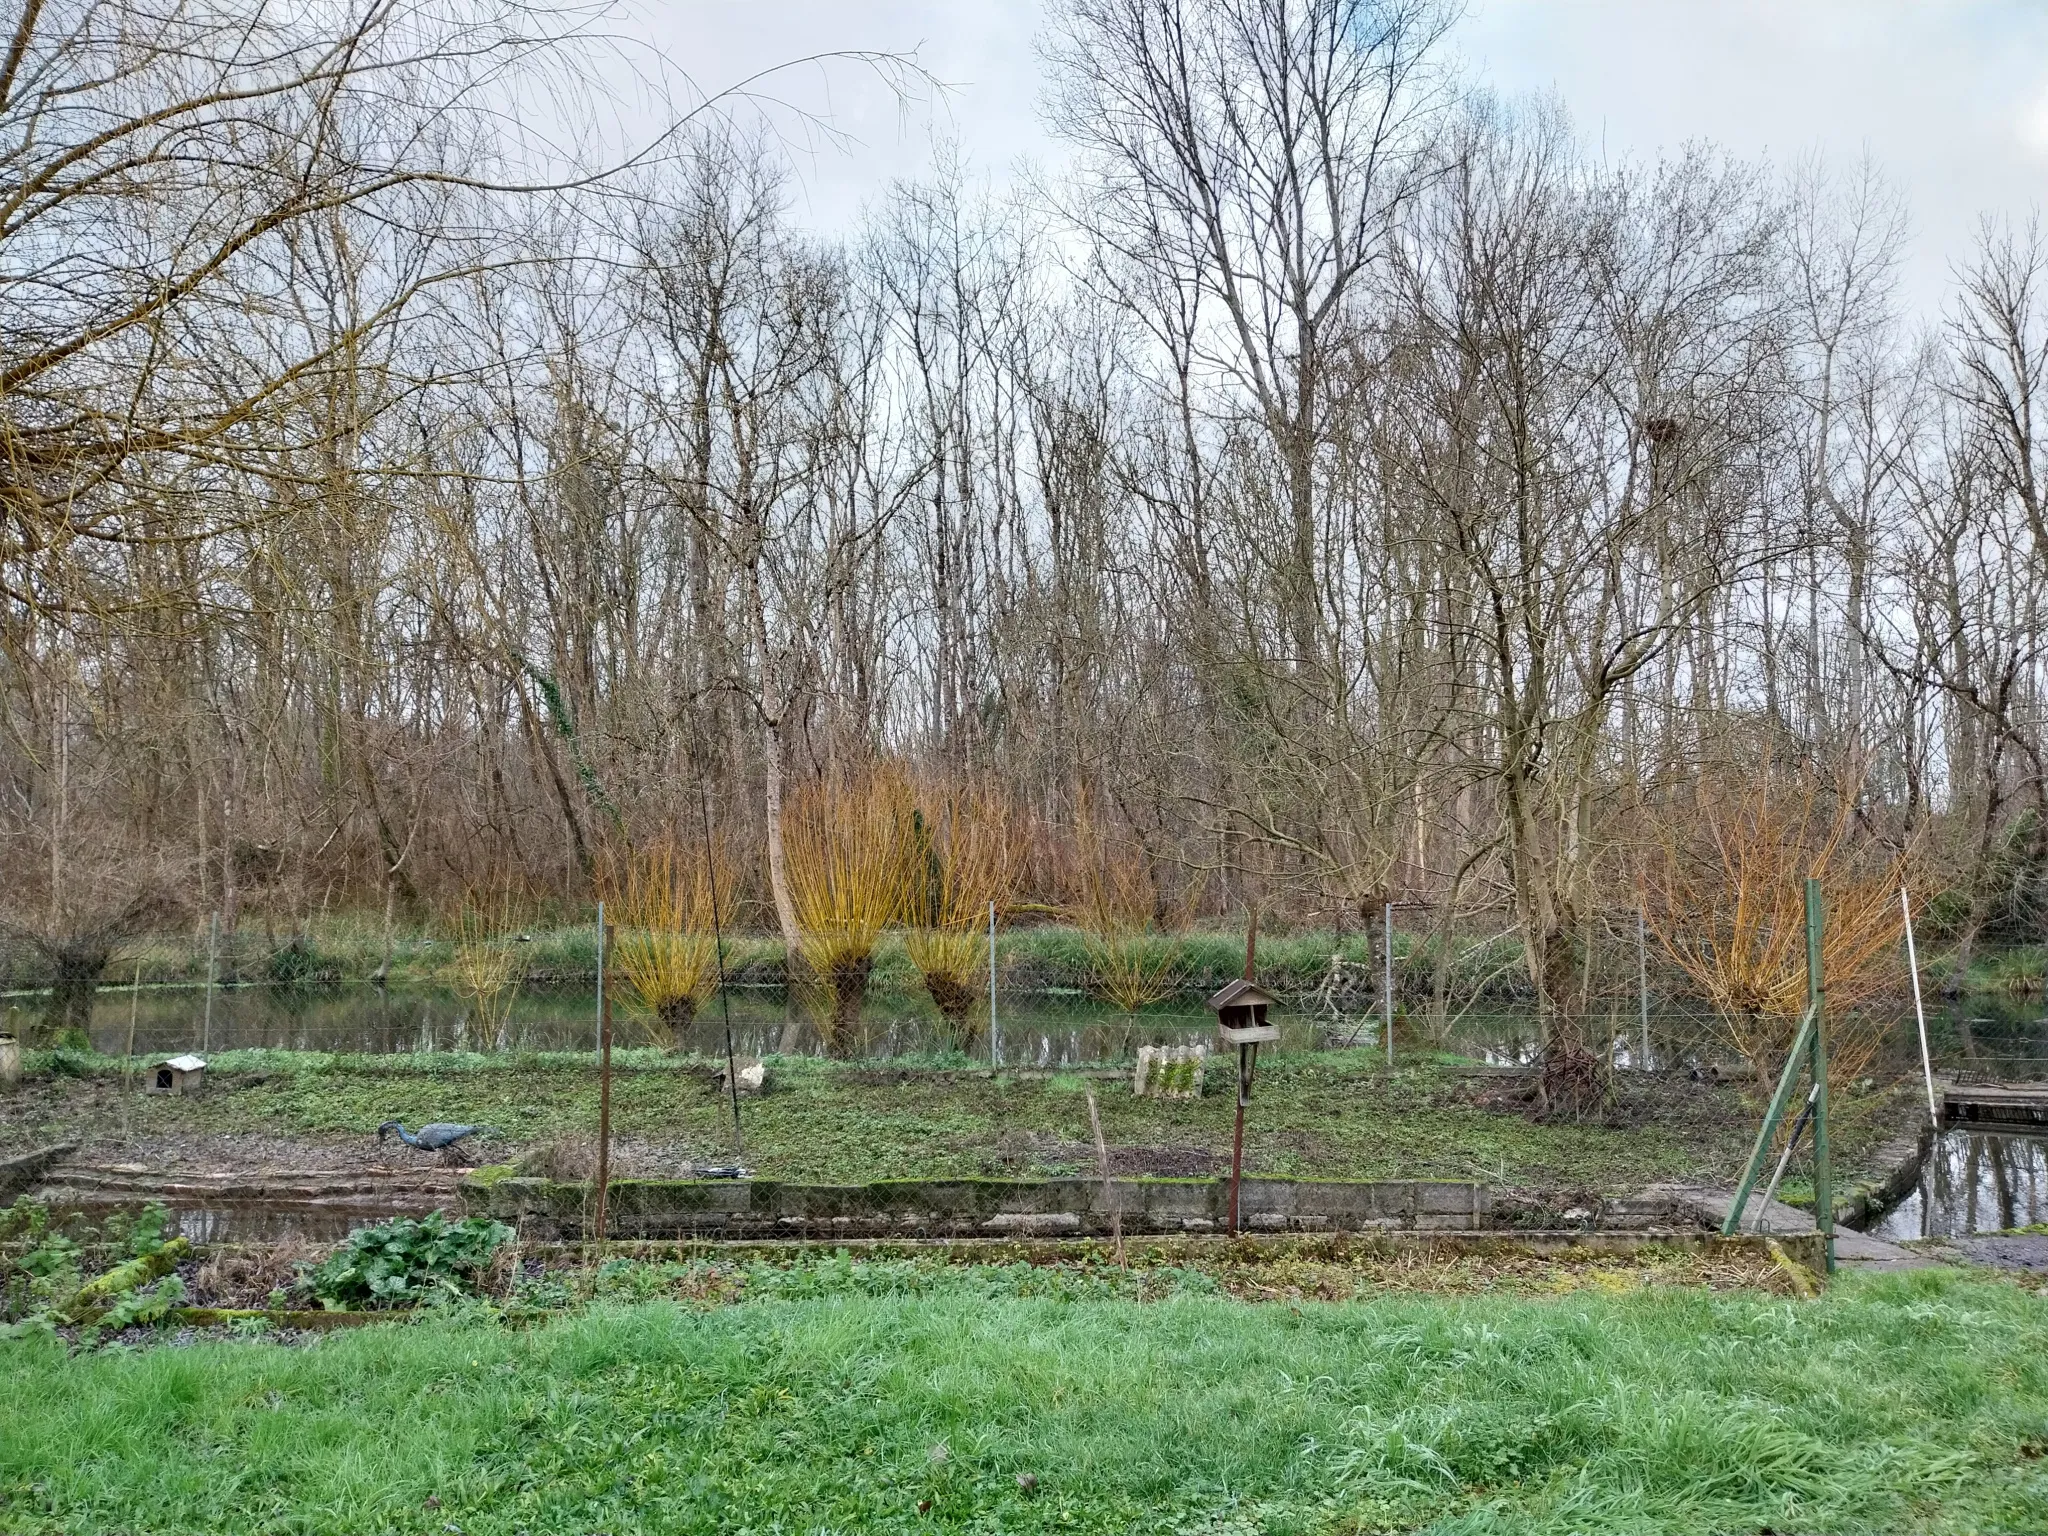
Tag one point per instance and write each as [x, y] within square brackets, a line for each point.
[1339, 1114]
[1903, 1404]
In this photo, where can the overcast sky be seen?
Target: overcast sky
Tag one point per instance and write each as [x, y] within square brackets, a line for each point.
[1950, 97]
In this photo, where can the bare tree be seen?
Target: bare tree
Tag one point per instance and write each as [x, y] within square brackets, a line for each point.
[1245, 161]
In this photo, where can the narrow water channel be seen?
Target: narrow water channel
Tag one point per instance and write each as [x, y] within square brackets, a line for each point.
[1992, 1037]
[1973, 1181]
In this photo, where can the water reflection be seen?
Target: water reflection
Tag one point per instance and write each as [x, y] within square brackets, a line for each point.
[1974, 1181]
[1046, 1030]
[1991, 1037]
[253, 1221]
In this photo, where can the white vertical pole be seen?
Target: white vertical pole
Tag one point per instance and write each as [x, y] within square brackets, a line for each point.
[1643, 982]
[1919, 1008]
[995, 1039]
[600, 978]
[1387, 975]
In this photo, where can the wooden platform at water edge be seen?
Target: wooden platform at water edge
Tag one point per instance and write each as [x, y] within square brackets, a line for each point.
[1994, 1106]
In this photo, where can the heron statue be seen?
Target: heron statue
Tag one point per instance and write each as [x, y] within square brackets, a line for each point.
[439, 1137]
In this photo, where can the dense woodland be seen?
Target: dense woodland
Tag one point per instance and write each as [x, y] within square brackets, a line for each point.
[1337, 486]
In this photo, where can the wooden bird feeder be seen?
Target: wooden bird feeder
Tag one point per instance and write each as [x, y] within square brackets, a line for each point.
[1241, 1013]
[1241, 1021]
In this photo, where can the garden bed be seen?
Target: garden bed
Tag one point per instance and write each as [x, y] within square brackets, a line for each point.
[1316, 1114]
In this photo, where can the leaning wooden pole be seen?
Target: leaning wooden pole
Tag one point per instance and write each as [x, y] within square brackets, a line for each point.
[604, 1080]
[1773, 1118]
[1110, 1197]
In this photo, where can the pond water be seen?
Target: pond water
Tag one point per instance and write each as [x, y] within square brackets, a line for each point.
[1973, 1181]
[1044, 1029]
[1038, 1029]
[1990, 1037]
[255, 1221]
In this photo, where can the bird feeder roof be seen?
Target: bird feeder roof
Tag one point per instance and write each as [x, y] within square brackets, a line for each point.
[1243, 994]
[185, 1063]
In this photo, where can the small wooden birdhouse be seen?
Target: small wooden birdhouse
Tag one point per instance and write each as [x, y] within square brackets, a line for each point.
[1241, 1013]
[178, 1074]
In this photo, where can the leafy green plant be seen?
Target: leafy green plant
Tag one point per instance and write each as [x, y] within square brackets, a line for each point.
[406, 1262]
[34, 1282]
[146, 1304]
[54, 1255]
[139, 1235]
[43, 1283]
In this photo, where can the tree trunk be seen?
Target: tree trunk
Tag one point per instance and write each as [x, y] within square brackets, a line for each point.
[67, 1017]
[772, 783]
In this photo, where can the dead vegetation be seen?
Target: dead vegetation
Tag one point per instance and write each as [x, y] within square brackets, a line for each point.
[848, 841]
[965, 857]
[247, 1275]
[1724, 891]
[486, 962]
[666, 896]
[1115, 900]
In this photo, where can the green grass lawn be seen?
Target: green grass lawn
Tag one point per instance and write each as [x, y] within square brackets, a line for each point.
[1339, 1114]
[1913, 1403]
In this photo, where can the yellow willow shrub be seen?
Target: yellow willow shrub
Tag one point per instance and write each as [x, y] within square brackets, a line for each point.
[847, 839]
[966, 853]
[487, 963]
[1114, 900]
[1725, 895]
[665, 939]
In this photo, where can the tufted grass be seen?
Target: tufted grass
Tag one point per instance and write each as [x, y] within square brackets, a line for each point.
[1910, 1403]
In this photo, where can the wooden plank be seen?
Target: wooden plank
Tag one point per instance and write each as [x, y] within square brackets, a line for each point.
[2010, 1104]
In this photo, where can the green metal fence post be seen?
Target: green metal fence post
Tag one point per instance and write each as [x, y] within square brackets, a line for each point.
[1816, 1007]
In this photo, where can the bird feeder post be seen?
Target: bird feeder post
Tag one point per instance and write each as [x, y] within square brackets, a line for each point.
[604, 1078]
[1247, 1063]
[1241, 1021]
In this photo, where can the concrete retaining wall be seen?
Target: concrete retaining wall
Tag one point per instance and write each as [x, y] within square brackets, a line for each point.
[18, 1173]
[922, 1208]
[1802, 1248]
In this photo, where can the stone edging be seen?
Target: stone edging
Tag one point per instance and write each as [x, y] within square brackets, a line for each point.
[961, 1208]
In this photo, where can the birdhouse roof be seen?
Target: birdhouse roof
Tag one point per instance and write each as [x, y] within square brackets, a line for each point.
[1242, 994]
[185, 1063]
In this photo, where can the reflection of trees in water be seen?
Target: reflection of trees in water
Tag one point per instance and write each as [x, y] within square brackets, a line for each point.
[2002, 1035]
[1042, 1029]
[1975, 1182]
